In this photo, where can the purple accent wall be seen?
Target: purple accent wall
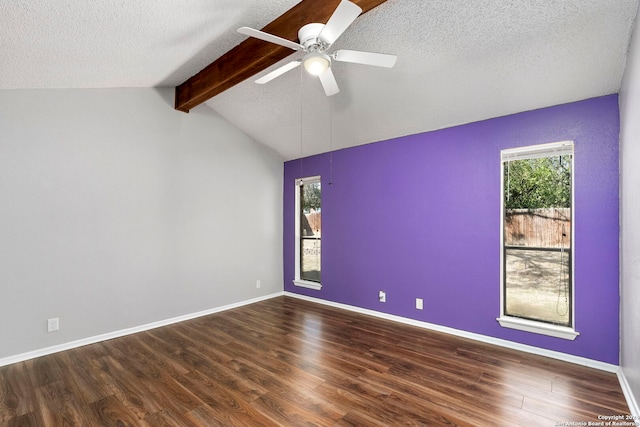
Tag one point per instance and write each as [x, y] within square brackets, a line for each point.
[419, 217]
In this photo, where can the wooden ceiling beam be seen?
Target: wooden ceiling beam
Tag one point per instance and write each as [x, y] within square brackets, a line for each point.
[253, 56]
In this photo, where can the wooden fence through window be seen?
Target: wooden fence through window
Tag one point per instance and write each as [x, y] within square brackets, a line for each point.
[541, 228]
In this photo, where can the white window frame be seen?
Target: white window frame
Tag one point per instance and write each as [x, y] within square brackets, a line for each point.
[543, 328]
[298, 281]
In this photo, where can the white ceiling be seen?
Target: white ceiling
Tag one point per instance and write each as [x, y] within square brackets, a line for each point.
[458, 61]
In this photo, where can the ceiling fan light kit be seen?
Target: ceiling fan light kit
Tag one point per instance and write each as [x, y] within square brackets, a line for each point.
[315, 39]
[315, 63]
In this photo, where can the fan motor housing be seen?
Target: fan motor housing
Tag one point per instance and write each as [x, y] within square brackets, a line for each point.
[308, 35]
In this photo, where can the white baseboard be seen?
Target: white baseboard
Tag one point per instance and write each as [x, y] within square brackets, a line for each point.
[628, 395]
[464, 334]
[116, 334]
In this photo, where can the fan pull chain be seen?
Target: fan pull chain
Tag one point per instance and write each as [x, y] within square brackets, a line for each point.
[300, 103]
[330, 144]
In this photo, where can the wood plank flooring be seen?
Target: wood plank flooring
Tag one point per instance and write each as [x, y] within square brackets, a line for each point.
[290, 362]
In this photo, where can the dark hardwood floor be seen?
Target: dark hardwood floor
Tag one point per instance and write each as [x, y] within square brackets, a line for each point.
[290, 362]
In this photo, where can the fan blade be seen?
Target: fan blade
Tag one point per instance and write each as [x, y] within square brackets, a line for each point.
[277, 72]
[329, 83]
[367, 58]
[342, 17]
[269, 38]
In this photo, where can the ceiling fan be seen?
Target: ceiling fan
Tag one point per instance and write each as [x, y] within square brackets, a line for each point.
[315, 41]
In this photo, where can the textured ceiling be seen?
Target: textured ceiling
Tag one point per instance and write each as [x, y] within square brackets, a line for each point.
[118, 43]
[458, 61]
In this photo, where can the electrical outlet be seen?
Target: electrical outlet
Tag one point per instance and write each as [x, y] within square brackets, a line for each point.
[258, 284]
[53, 324]
[382, 296]
[419, 304]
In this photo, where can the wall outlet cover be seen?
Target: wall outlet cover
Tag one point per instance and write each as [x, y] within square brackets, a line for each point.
[53, 324]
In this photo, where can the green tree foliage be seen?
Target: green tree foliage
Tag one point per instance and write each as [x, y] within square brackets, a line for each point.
[538, 183]
[311, 197]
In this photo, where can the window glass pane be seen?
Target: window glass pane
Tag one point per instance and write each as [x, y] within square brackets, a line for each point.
[310, 260]
[537, 239]
[310, 231]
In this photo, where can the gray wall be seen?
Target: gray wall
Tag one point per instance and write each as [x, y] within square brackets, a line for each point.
[117, 211]
[630, 217]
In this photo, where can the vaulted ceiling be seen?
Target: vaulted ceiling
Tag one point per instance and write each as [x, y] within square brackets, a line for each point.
[458, 62]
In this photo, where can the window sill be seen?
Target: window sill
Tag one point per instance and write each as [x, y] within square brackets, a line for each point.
[309, 285]
[538, 327]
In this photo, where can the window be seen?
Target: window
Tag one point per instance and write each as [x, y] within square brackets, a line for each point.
[308, 232]
[537, 239]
